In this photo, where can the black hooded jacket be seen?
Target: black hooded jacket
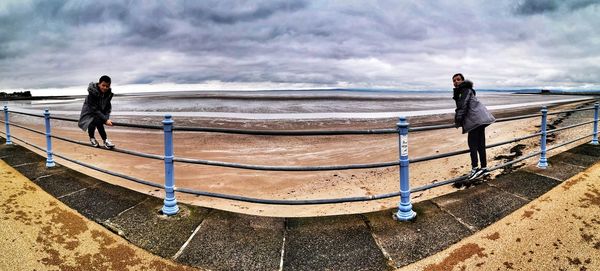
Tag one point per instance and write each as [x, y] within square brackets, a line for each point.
[470, 113]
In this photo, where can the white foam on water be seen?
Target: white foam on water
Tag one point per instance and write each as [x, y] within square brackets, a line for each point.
[304, 116]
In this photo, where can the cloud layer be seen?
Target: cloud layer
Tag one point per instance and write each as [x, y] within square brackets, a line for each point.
[397, 44]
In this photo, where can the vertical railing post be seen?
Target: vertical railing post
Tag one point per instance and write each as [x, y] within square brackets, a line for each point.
[405, 212]
[170, 203]
[543, 163]
[595, 136]
[7, 123]
[49, 161]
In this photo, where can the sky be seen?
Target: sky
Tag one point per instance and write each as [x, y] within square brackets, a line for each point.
[57, 47]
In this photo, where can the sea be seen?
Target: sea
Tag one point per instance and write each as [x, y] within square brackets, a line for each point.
[292, 104]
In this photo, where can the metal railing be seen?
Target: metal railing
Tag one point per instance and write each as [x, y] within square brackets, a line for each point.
[405, 211]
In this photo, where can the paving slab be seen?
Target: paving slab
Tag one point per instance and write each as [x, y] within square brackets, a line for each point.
[66, 182]
[586, 149]
[556, 169]
[103, 201]
[331, 243]
[16, 155]
[38, 169]
[162, 235]
[525, 184]
[231, 241]
[479, 206]
[577, 159]
[405, 242]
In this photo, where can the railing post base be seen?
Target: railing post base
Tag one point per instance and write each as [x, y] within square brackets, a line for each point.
[170, 207]
[405, 216]
[543, 164]
[405, 211]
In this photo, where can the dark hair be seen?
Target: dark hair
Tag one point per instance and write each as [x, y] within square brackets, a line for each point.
[104, 78]
[458, 74]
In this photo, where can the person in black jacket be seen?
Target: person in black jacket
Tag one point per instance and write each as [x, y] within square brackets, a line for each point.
[96, 111]
[473, 117]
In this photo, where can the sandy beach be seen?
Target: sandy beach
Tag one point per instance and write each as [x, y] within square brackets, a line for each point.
[299, 151]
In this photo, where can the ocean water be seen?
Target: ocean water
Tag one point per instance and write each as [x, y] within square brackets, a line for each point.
[292, 104]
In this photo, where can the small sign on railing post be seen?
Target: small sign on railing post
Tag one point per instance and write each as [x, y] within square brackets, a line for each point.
[543, 163]
[170, 203]
[6, 122]
[405, 212]
[49, 160]
[595, 136]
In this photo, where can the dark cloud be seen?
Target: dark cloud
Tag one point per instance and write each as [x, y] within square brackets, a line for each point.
[49, 43]
[532, 7]
[529, 7]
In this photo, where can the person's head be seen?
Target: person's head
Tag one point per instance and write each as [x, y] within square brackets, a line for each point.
[104, 83]
[457, 79]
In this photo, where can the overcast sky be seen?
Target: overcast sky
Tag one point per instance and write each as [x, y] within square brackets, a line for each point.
[294, 43]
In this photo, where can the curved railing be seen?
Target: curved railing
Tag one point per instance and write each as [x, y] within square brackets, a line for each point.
[405, 208]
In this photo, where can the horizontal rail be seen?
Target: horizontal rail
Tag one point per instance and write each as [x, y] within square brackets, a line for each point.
[225, 196]
[569, 127]
[288, 202]
[95, 168]
[286, 168]
[26, 114]
[518, 117]
[296, 202]
[287, 132]
[115, 149]
[571, 111]
[569, 142]
[134, 153]
[25, 128]
[448, 154]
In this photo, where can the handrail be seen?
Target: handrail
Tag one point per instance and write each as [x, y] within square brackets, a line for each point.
[314, 168]
[402, 129]
[93, 167]
[301, 168]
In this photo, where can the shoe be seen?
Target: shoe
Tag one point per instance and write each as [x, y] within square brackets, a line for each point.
[473, 174]
[108, 144]
[479, 173]
[484, 172]
[94, 142]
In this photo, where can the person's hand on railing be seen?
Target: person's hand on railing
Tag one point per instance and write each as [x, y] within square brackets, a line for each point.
[109, 122]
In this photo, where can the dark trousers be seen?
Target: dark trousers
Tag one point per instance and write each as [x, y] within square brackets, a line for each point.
[97, 123]
[476, 139]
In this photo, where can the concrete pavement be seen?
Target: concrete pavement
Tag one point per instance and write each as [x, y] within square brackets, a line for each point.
[558, 231]
[38, 232]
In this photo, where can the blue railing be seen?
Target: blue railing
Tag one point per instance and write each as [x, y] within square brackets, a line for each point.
[405, 211]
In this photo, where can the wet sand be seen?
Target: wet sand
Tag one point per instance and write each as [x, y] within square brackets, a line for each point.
[297, 151]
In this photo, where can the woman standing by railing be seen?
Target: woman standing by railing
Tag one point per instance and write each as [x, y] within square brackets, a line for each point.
[473, 117]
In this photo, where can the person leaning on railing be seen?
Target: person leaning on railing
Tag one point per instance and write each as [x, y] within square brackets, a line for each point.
[96, 111]
[473, 117]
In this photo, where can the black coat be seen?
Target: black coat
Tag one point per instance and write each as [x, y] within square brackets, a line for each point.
[96, 106]
[470, 112]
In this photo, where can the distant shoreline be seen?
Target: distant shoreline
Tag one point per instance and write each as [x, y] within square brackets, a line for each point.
[299, 94]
